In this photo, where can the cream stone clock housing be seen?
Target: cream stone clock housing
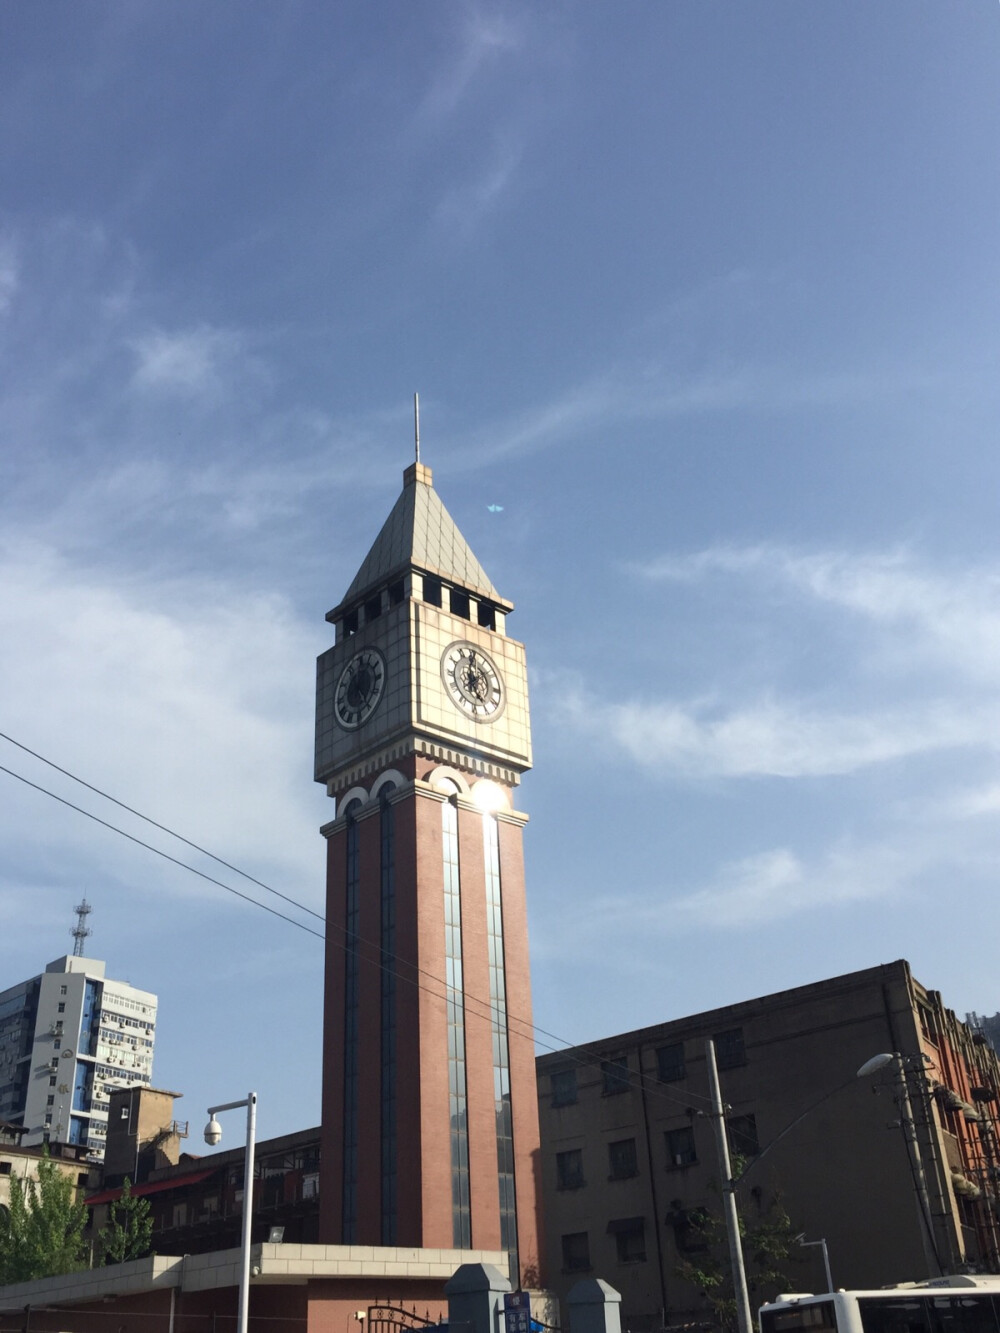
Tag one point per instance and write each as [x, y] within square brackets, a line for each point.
[422, 662]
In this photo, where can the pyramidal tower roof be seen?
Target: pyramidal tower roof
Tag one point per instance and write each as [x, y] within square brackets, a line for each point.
[421, 534]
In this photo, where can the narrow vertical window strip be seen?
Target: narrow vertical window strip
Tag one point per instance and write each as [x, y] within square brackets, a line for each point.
[460, 1205]
[501, 1043]
[349, 1201]
[388, 1031]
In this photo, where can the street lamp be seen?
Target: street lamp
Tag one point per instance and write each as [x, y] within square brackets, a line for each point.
[800, 1239]
[213, 1134]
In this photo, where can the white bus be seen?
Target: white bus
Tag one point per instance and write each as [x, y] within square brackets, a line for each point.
[957, 1304]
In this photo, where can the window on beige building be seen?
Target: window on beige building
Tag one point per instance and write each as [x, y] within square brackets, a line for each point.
[576, 1252]
[614, 1075]
[630, 1239]
[680, 1146]
[622, 1159]
[670, 1062]
[689, 1228]
[927, 1024]
[563, 1087]
[729, 1048]
[569, 1169]
[743, 1141]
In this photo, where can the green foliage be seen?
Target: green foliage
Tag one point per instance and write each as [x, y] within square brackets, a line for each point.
[41, 1233]
[770, 1246]
[129, 1231]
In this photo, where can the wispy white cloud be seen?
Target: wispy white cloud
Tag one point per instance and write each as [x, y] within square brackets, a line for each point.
[128, 436]
[465, 205]
[657, 390]
[953, 616]
[469, 106]
[761, 889]
[482, 37]
[916, 669]
[770, 738]
[8, 272]
[141, 688]
[773, 885]
[189, 361]
[973, 802]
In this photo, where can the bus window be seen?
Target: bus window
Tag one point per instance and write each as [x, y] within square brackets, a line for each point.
[896, 1314]
[816, 1316]
[920, 1308]
[965, 1314]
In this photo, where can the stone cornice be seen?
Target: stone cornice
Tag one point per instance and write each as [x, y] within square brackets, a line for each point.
[477, 765]
[425, 790]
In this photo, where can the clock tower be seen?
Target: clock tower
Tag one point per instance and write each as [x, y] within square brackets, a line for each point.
[430, 1118]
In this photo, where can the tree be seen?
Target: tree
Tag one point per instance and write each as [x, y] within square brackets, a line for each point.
[41, 1232]
[129, 1230]
[770, 1246]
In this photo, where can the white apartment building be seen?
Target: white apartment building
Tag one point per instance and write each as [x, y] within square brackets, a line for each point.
[67, 1038]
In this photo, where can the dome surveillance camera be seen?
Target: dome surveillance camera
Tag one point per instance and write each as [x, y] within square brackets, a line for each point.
[213, 1132]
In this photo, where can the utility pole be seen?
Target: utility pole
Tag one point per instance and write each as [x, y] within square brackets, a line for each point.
[913, 1157]
[718, 1114]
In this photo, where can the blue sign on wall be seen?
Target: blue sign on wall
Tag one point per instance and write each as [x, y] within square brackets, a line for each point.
[517, 1312]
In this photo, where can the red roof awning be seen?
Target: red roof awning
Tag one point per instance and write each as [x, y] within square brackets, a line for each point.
[154, 1186]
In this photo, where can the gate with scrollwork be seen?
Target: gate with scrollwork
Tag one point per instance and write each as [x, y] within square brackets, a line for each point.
[397, 1319]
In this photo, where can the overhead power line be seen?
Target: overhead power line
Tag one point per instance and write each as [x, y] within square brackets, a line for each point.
[162, 827]
[166, 855]
[486, 1008]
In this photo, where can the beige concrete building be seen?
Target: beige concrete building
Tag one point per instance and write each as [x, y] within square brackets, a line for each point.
[22, 1163]
[628, 1151]
[143, 1133]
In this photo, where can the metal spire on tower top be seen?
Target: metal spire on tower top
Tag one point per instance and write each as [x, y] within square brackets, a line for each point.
[81, 930]
[416, 424]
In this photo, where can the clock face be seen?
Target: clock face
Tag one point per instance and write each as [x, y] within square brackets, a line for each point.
[473, 683]
[359, 688]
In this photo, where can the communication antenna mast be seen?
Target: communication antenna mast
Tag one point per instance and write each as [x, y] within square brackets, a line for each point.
[81, 930]
[416, 424]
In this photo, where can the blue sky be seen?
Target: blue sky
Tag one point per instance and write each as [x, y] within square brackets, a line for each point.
[704, 295]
